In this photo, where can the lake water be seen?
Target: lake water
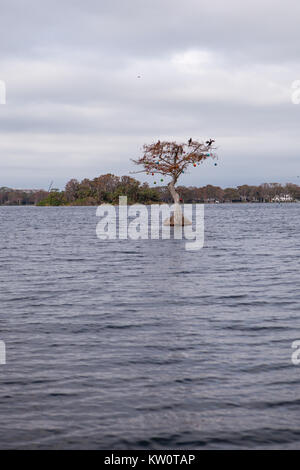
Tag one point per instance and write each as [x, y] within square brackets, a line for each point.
[125, 344]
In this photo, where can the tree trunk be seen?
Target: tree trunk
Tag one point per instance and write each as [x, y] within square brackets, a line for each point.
[177, 218]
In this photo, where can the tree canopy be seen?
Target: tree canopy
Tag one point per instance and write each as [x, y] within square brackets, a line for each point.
[173, 159]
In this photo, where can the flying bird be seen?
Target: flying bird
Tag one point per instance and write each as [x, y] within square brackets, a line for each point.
[210, 141]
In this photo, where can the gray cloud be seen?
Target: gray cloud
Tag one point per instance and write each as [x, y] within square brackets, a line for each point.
[75, 107]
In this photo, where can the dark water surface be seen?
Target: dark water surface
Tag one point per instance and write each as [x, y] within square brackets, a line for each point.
[144, 345]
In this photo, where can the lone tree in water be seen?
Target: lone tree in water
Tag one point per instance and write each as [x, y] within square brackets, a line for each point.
[171, 160]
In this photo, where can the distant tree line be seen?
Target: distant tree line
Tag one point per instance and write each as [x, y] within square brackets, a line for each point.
[22, 197]
[107, 189]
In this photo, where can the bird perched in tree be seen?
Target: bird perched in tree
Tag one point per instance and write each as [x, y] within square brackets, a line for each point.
[158, 143]
[190, 141]
[209, 142]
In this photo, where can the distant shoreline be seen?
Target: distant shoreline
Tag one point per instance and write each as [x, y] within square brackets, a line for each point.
[106, 189]
[156, 203]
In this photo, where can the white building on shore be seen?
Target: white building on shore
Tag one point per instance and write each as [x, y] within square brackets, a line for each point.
[283, 198]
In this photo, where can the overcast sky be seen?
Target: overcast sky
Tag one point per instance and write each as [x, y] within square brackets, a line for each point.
[209, 68]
